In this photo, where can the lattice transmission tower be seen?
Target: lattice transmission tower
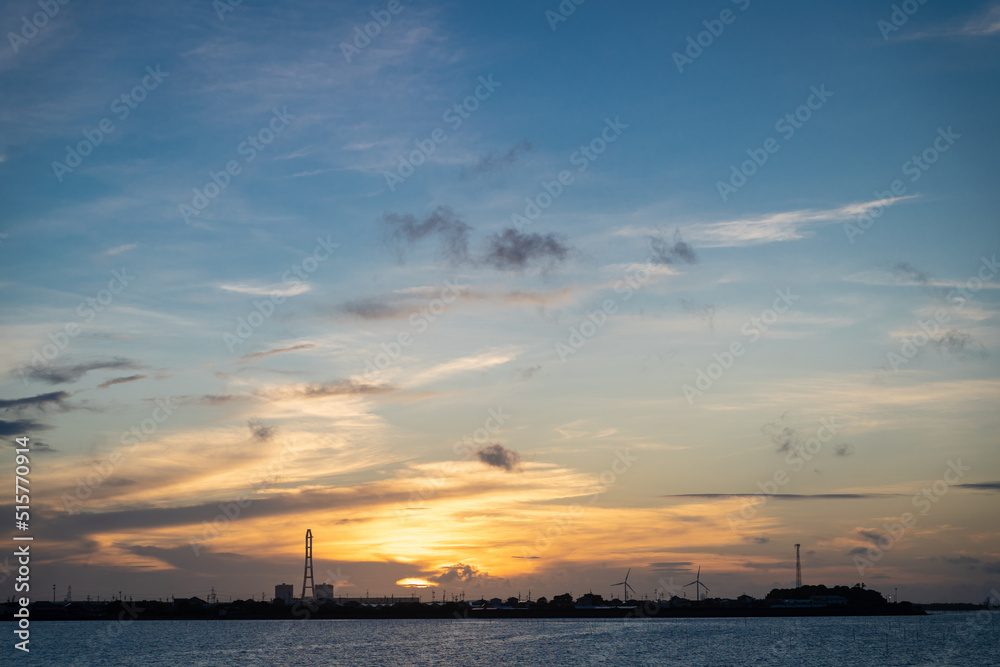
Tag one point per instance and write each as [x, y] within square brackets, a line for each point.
[307, 575]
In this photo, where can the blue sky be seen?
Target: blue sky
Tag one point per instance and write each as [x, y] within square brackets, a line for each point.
[308, 232]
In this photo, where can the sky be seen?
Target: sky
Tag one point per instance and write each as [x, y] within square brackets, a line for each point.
[501, 299]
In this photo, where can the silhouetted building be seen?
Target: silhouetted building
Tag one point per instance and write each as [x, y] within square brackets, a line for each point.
[324, 592]
[284, 592]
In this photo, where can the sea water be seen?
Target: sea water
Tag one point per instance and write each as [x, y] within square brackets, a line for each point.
[952, 638]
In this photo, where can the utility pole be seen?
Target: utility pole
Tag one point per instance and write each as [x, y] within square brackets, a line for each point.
[798, 568]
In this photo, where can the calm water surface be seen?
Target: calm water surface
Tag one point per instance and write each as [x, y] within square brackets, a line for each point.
[939, 639]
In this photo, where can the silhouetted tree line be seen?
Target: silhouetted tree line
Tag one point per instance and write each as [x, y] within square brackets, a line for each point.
[856, 595]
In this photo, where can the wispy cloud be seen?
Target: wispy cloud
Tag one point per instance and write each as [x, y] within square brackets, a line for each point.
[247, 358]
[276, 289]
[313, 172]
[117, 250]
[323, 390]
[400, 304]
[985, 24]
[462, 365]
[789, 226]
[768, 228]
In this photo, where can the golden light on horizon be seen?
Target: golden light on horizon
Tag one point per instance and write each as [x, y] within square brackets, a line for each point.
[415, 582]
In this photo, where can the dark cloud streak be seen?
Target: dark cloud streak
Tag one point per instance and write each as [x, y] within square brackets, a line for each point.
[374, 308]
[71, 373]
[496, 455]
[41, 401]
[443, 222]
[261, 432]
[121, 380]
[787, 496]
[21, 427]
[515, 250]
[662, 251]
[261, 355]
[497, 161]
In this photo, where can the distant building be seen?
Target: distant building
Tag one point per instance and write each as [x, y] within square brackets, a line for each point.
[324, 592]
[284, 592]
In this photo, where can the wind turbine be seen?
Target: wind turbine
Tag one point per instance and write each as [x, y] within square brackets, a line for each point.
[625, 586]
[697, 583]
